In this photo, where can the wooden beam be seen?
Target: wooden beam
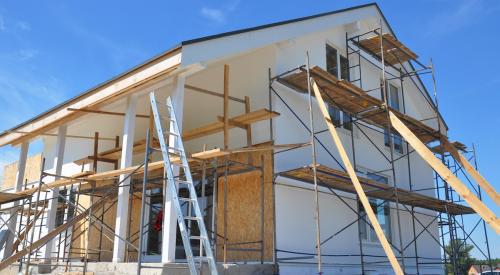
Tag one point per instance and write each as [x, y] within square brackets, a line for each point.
[249, 127]
[218, 126]
[357, 185]
[490, 190]
[226, 106]
[233, 123]
[448, 176]
[147, 75]
[49, 236]
[67, 136]
[208, 92]
[85, 110]
[210, 154]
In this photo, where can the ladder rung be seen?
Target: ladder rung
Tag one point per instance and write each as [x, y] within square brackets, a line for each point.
[197, 238]
[183, 181]
[175, 149]
[165, 132]
[179, 165]
[191, 218]
[186, 199]
[206, 259]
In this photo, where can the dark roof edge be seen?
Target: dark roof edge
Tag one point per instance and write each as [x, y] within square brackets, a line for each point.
[279, 23]
[93, 89]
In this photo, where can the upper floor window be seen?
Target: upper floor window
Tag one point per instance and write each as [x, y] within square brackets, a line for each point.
[381, 209]
[334, 61]
[393, 102]
[339, 118]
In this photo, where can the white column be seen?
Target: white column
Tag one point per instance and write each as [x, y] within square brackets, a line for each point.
[21, 167]
[52, 208]
[169, 229]
[123, 192]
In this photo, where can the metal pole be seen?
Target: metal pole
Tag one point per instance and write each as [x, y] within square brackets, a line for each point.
[410, 183]
[261, 208]
[26, 272]
[313, 152]
[225, 209]
[215, 191]
[391, 146]
[143, 199]
[490, 263]
[361, 255]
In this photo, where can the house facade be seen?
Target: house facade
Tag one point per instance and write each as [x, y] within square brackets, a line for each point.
[267, 212]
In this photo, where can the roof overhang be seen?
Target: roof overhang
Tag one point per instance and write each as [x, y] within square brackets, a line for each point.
[139, 78]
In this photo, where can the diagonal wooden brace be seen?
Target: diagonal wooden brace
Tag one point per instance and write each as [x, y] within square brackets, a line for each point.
[446, 174]
[357, 185]
[490, 190]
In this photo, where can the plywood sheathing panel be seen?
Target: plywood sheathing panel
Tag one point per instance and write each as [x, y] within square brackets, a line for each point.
[394, 51]
[244, 209]
[339, 180]
[355, 101]
[32, 172]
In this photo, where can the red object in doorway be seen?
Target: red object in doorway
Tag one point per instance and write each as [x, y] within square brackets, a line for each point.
[159, 221]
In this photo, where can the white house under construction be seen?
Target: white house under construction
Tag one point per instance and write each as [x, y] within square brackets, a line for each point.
[309, 146]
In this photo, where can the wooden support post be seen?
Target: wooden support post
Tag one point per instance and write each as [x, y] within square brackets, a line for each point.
[96, 151]
[490, 190]
[226, 106]
[354, 178]
[248, 129]
[448, 176]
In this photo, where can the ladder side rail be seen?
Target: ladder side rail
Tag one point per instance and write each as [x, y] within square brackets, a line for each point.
[171, 186]
[192, 194]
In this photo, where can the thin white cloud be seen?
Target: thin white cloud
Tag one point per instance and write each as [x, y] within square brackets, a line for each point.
[215, 15]
[465, 13]
[22, 25]
[2, 24]
[27, 54]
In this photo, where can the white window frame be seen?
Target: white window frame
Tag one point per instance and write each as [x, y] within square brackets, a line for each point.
[363, 172]
[339, 72]
[400, 103]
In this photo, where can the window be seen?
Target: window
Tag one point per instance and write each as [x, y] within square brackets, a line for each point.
[393, 92]
[339, 118]
[333, 61]
[382, 211]
[344, 68]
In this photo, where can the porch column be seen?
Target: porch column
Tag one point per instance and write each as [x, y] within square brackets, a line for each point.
[21, 167]
[123, 191]
[169, 231]
[52, 207]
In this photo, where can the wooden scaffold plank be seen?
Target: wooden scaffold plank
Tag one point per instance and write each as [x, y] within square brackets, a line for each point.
[446, 174]
[357, 185]
[490, 190]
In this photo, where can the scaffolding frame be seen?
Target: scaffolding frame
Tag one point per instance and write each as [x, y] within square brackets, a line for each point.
[355, 50]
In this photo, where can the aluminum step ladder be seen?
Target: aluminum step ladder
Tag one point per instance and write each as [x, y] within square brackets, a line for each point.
[171, 145]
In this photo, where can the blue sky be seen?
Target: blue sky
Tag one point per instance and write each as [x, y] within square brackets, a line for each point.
[53, 50]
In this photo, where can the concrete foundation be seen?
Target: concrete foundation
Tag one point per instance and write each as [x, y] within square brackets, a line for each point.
[109, 268]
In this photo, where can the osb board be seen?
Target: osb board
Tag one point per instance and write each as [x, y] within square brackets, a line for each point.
[107, 237]
[244, 210]
[32, 172]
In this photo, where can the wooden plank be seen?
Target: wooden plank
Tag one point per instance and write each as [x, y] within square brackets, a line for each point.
[214, 153]
[357, 185]
[58, 183]
[490, 190]
[49, 236]
[226, 106]
[146, 75]
[27, 228]
[476, 204]
[218, 126]
[208, 92]
[86, 110]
